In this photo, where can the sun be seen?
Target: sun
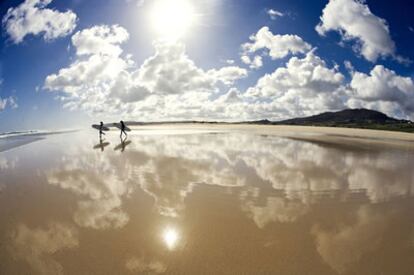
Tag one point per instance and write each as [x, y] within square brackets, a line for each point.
[171, 19]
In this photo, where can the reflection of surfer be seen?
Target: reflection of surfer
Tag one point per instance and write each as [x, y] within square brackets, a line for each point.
[124, 143]
[101, 145]
[101, 130]
[123, 129]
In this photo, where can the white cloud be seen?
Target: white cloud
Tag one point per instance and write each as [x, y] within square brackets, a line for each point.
[274, 14]
[227, 75]
[103, 79]
[8, 102]
[3, 103]
[279, 46]
[354, 21]
[169, 86]
[382, 89]
[100, 40]
[32, 17]
[304, 86]
[255, 63]
[138, 3]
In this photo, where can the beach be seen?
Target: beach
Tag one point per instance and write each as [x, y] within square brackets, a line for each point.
[208, 199]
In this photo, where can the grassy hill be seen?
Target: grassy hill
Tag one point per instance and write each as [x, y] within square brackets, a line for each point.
[352, 118]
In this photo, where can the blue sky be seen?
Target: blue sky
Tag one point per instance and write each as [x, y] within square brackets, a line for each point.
[132, 70]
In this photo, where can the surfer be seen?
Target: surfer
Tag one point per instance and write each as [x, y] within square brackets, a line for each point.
[123, 129]
[101, 130]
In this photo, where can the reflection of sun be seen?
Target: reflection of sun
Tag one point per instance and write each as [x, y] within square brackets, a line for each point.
[172, 18]
[170, 237]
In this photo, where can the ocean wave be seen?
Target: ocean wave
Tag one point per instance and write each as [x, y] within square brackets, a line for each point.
[32, 133]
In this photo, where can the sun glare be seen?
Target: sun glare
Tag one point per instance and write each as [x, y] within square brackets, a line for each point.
[171, 19]
[170, 237]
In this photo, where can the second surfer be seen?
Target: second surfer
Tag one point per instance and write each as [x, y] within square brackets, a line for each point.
[123, 129]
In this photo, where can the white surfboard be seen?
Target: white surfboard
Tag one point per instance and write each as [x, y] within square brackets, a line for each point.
[118, 125]
[98, 127]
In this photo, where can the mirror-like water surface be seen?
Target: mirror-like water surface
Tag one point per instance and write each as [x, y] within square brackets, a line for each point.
[205, 202]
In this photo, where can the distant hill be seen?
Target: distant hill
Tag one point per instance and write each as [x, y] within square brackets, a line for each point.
[348, 116]
[352, 118]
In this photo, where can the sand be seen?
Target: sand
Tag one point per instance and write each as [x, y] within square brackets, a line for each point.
[334, 135]
[214, 199]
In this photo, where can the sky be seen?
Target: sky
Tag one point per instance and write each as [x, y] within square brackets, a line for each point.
[66, 64]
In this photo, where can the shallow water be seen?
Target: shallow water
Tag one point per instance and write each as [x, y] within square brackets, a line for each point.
[205, 202]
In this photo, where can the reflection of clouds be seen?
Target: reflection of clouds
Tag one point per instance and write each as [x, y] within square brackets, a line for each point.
[275, 210]
[37, 246]
[170, 179]
[7, 163]
[99, 183]
[168, 166]
[381, 184]
[147, 267]
[299, 170]
[343, 246]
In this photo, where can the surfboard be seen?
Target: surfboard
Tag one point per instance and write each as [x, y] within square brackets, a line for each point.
[118, 125]
[98, 127]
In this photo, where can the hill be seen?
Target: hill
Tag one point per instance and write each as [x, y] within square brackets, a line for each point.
[353, 118]
[350, 116]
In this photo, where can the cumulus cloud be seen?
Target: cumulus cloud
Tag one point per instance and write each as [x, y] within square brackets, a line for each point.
[255, 63]
[354, 21]
[103, 78]
[384, 90]
[279, 46]
[8, 102]
[168, 85]
[304, 86]
[100, 40]
[274, 14]
[3, 103]
[32, 17]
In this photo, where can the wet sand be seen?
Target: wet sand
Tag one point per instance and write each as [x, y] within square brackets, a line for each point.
[216, 199]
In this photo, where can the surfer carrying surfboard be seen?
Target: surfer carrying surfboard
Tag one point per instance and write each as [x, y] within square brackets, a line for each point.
[123, 129]
[101, 130]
